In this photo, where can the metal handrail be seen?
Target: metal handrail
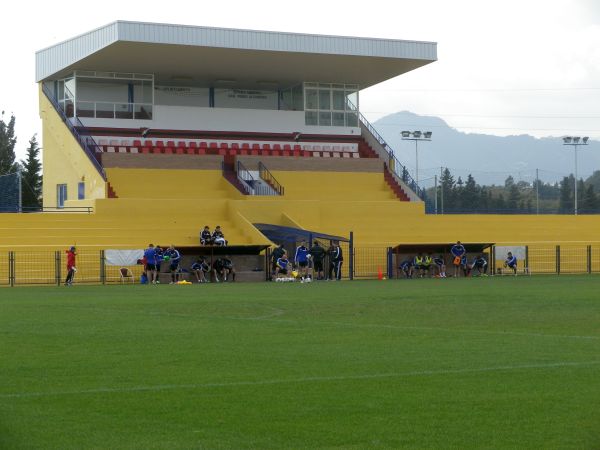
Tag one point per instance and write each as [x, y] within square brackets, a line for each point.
[64, 209]
[245, 178]
[89, 146]
[268, 178]
[394, 165]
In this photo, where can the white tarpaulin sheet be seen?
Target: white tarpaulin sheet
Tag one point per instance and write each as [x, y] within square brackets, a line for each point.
[122, 257]
[518, 251]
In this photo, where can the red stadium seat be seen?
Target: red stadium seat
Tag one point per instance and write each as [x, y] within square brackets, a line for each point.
[146, 150]
[179, 151]
[148, 144]
[287, 147]
[193, 144]
[255, 147]
[235, 146]
[297, 147]
[170, 144]
[203, 144]
[277, 147]
[168, 150]
[202, 151]
[266, 146]
[246, 146]
[213, 145]
[160, 144]
[137, 143]
[181, 144]
[297, 153]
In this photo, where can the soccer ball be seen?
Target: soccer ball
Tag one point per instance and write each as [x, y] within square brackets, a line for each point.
[308, 280]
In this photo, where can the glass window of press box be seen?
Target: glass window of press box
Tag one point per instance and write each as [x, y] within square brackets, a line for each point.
[331, 104]
[106, 95]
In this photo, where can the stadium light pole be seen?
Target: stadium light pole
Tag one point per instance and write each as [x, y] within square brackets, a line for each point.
[575, 141]
[416, 136]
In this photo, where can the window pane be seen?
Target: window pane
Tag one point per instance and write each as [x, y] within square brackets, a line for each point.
[324, 99]
[325, 118]
[311, 118]
[85, 109]
[338, 100]
[338, 119]
[81, 191]
[351, 119]
[312, 99]
[298, 100]
[143, 112]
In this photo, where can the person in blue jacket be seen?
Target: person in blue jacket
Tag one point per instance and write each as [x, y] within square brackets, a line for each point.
[460, 258]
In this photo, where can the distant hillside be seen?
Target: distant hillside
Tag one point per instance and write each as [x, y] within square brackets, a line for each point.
[489, 158]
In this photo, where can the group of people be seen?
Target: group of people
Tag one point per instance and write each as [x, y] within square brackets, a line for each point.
[428, 265]
[154, 256]
[215, 238]
[308, 262]
[153, 259]
[222, 267]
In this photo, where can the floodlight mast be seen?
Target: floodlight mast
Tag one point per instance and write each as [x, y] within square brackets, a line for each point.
[416, 136]
[573, 141]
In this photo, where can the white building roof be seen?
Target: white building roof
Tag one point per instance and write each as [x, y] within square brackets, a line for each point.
[245, 57]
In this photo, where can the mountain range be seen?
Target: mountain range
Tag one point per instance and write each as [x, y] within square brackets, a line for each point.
[490, 159]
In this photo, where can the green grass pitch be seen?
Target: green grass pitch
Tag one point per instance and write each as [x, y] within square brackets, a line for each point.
[426, 364]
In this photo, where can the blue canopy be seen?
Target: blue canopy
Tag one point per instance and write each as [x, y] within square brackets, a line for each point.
[279, 233]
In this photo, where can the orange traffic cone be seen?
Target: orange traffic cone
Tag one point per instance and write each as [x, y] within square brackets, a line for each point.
[379, 274]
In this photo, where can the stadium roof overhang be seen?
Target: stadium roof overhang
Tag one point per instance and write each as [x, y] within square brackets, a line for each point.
[280, 233]
[226, 57]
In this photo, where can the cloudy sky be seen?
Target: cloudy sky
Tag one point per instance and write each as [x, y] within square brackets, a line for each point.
[504, 67]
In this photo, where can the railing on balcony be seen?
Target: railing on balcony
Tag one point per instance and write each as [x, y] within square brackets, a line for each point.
[395, 166]
[109, 110]
[268, 178]
[79, 132]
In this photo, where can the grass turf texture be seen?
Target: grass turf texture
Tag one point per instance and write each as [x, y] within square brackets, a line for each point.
[479, 363]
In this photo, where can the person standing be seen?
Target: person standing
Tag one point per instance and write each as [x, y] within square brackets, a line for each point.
[174, 259]
[336, 259]
[460, 257]
[71, 269]
[301, 260]
[150, 255]
[317, 254]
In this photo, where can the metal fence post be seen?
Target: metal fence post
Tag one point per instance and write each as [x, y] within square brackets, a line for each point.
[267, 265]
[102, 267]
[527, 258]
[57, 267]
[11, 268]
[493, 257]
[351, 256]
[390, 263]
[589, 259]
[558, 259]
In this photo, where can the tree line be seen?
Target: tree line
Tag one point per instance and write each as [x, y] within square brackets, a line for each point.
[515, 197]
[30, 167]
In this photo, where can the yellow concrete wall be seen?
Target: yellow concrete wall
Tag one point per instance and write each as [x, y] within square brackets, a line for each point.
[63, 159]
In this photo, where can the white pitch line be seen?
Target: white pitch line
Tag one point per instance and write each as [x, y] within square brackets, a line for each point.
[166, 387]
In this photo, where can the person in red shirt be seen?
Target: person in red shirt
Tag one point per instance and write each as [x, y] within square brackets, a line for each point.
[71, 269]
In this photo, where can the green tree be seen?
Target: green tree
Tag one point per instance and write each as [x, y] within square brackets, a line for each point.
[31, 178]
[565, 201]
[590, 200]
[7, 145]
[513, 196]
[470, 197]
[447, 190]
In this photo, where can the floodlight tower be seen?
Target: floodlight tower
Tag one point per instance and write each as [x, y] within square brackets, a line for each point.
[574, 141]
[416, 136]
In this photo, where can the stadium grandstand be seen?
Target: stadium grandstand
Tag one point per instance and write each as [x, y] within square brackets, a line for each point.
[151, 131]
